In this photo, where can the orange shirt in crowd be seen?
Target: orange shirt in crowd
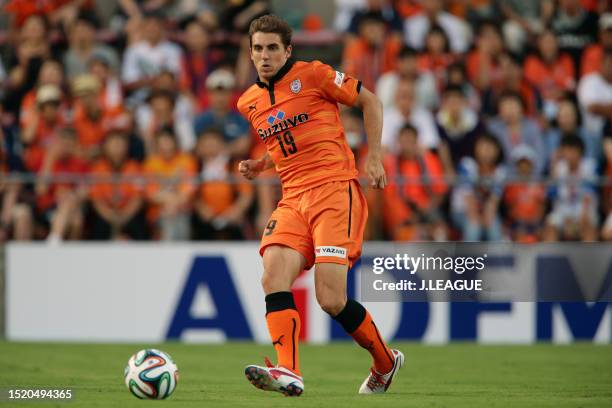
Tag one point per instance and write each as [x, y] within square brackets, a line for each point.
[299, 122]
[362, 61]
[408, 8]
[115, 194]
[397, 197]
[437, 65]
[174, 175]
[220, 195]
[67, 166]
[474, 65]
[526, 202]
[592, 57]
[550, 79]
[91, 133]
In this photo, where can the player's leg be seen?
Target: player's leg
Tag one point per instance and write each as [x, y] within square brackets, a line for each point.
[282, 265]
[339, 211]
[330, 286]
[286, 248]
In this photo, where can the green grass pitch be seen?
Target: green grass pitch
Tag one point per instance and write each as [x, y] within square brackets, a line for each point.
[457, 375]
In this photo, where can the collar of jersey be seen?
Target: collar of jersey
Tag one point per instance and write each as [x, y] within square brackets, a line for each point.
[279, 75]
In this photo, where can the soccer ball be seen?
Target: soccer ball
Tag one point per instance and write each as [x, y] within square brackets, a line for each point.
[151, 374]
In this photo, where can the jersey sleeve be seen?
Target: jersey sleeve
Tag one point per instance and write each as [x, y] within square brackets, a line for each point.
[336, 85]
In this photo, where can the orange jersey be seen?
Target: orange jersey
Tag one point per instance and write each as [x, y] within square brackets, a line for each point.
[297, 118]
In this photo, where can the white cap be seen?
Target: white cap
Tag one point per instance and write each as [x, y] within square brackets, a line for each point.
[220, 78]
[523, 152]
[605, 21]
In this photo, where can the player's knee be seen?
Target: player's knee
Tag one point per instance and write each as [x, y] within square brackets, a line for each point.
[332, 304]
[272, 281]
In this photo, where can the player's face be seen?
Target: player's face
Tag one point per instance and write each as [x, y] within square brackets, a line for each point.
[268, 54]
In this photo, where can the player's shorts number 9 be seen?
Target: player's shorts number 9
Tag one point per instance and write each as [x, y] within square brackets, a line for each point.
[270, 227]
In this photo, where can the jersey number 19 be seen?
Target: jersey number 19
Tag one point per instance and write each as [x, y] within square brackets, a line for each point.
[287, 143]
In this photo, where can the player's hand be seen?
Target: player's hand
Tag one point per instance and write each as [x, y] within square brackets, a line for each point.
[375, 171]
[250, 168]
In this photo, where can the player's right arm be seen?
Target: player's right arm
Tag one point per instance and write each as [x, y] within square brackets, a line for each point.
[251, 168]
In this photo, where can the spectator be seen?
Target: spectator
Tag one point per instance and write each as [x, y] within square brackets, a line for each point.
[43, 125]
[156, 115]
[117, 204]
[525, 198]
[595, 96]
[405, 111]
[198, 62]
[459, 126]
[574, 213]
[416, 191]
[393, 21]
[569, 122]
[512, 80]
[373, 52]
[222, 114]
[144, 59]
[82, 46]
[237, 15]
[512, 129]
[593, 55]
[220, 207]
[169, 188]
[24, 64]
[475, 199]
[15, 214]
[482, 63]
[111, 94]
[92, 120]
[167, 107]
[426, 93]
[524, 21]
[345, 10]
[575, 28]
[51, 73]
[551, 72]
[457, 76]
[417, 27]
[436, 56]
[60, 203]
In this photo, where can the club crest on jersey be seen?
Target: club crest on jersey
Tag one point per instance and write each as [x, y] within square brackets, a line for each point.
[296, 86]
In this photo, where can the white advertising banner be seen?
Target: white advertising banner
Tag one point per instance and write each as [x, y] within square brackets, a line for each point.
[211, 292]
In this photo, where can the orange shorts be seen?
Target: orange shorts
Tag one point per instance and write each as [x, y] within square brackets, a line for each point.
[325, 224]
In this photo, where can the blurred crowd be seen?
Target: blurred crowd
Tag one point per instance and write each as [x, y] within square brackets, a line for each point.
[497, 118]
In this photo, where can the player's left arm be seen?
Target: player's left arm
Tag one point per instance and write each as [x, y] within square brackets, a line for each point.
[371, 107]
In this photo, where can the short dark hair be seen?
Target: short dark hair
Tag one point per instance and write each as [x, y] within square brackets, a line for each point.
[270, 23]
[489, 138]
[371, 17]
[508, 94]
[572, 141]
[407, 52]
[453, 89]
[409, 127]
[212, 131]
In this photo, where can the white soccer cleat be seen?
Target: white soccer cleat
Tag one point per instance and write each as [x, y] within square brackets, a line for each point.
[273, 378]
[377, 383]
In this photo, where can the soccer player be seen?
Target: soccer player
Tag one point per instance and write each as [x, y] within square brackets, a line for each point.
[322, 215]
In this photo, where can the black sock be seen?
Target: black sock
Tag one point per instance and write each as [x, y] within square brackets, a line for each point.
[278, 301]
[351, 316]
